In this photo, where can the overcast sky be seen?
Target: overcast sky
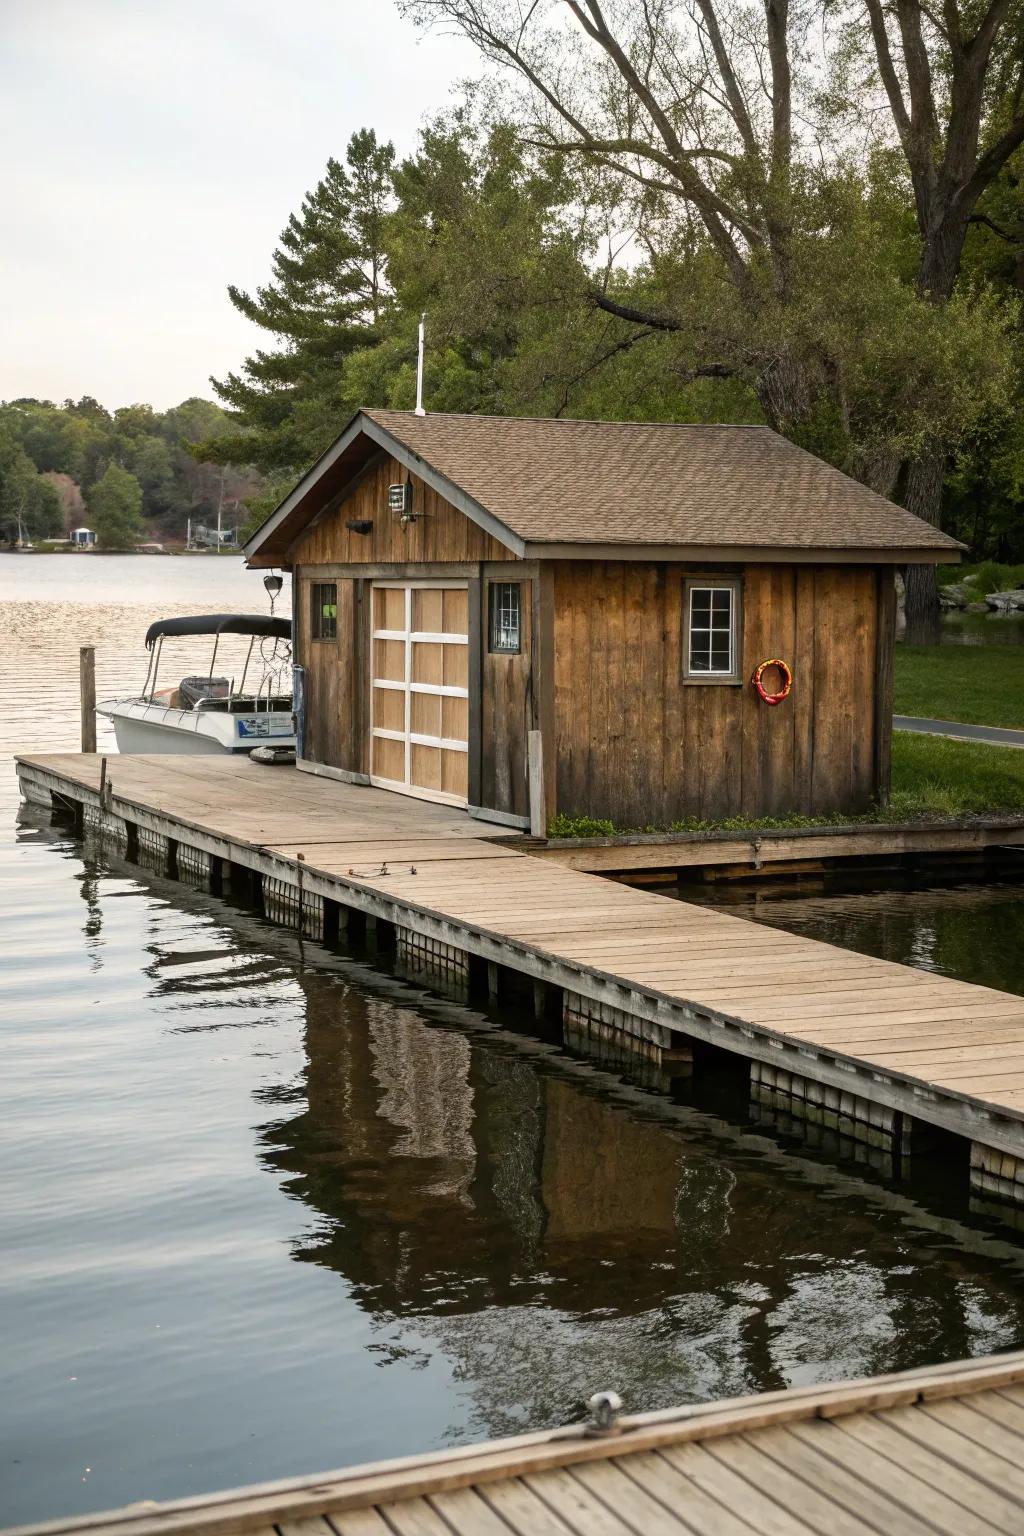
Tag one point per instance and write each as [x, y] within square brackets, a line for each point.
[153, 150]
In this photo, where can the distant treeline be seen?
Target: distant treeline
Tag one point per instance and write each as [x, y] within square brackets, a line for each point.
[130, 474]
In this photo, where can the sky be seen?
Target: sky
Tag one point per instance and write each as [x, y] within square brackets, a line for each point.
[153, 152]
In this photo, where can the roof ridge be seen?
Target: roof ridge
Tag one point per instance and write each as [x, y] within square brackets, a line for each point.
[570, 421]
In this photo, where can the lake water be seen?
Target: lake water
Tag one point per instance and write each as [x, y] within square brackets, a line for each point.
[267, 1210]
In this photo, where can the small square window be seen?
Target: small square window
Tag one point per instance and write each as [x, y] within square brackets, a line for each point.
[506, 617]
[323, 610]
[711, 639]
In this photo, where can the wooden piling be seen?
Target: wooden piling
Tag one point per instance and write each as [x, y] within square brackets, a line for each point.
[87, 690]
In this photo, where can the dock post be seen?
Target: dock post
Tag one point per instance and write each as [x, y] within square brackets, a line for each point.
[535, 776]
[87, 689]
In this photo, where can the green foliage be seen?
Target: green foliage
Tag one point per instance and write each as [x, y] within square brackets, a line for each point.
[936, 776]
[991, 576]
[115, 508]
[325, 299]
[979, 684]
[80, 439]
[581, 826]
[29, 503]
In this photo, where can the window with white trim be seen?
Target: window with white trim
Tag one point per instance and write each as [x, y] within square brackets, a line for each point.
[712, 630]
[506, 617]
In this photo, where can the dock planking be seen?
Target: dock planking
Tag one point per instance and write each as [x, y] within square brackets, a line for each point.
[930, 1049]
[929, 1452]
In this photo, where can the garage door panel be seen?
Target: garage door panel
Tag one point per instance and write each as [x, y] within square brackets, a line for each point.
[389, 709]
[389, 660]
[454, 773]
[454, 718]
[425, 769]
[426, 714]
[428, 610]
[456, 611]
[455, 666]
[389, 608]
[428, 662]
[389, 759]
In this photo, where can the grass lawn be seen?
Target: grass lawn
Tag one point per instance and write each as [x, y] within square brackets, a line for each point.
[935, 776]
[978, 684]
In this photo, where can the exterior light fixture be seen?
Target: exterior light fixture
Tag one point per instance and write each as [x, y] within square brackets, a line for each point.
[273, 584]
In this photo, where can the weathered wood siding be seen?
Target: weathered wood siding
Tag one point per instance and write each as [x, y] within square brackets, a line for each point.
[440, 532]
[635, 743]
[335, 691]
[506, 712]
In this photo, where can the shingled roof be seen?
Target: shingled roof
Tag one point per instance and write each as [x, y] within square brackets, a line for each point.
[556, 487]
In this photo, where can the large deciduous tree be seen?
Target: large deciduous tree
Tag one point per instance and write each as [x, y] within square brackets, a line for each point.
[725, 121]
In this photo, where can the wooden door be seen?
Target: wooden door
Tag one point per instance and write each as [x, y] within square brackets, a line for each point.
[420, 689]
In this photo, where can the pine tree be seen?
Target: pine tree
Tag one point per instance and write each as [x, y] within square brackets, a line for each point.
[326, 299]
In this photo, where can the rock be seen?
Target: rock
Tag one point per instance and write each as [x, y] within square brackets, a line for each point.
[977, 608]
[957, 594]
[1006, 602]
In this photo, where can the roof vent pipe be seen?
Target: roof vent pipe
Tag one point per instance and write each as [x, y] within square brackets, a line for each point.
[419, 371]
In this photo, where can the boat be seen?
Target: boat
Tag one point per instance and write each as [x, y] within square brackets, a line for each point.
[206, 712]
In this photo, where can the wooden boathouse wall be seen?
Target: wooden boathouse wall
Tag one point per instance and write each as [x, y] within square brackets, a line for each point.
[638, 743]
[601, 676]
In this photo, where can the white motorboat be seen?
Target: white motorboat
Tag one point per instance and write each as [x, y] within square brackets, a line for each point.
[206, 712]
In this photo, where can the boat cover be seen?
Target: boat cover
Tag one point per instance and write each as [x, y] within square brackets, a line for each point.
[220, 624]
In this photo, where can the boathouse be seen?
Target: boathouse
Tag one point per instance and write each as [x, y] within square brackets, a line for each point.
[528, 617]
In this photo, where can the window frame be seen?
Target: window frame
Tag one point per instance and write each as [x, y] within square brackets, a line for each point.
[714, 583]
[316, 614]
[493, 610]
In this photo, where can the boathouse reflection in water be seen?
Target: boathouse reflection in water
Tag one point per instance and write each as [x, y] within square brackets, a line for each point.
[551, 1237]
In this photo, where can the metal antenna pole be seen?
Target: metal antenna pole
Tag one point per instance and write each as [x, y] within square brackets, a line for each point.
[419, 371]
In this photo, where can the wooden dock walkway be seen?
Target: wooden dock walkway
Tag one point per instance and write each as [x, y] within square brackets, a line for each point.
[868, 1050]
[935, 1452]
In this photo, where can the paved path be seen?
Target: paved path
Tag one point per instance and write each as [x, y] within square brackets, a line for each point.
[993, 734]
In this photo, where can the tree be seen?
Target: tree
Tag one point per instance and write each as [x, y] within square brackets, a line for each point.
[325, 300]
[115, 508]
[953, 78]
[29, 504]
[728, 141]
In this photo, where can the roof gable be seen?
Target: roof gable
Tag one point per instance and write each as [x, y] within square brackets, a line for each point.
[559, 487]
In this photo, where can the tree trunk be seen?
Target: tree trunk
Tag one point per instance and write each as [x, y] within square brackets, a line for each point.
[923, 496]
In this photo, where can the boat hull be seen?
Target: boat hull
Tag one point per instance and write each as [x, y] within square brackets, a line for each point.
[141, 727]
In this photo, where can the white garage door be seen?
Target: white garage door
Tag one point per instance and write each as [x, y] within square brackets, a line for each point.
[419, 689]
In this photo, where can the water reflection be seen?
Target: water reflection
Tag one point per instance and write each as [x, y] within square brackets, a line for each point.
[552, 1234]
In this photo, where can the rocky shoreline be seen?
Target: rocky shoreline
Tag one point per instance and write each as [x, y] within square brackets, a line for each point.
[964, 597]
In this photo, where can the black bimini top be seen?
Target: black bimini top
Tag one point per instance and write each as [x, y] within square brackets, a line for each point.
[220, 624]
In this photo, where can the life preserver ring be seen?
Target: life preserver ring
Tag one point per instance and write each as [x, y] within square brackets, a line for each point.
[787, 681]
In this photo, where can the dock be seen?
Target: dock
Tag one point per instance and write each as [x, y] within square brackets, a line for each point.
[933, 1452]
[869, 1057]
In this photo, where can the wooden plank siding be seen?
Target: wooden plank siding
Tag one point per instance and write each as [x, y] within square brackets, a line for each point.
[440, 534]
[506, 711]
[636, 743]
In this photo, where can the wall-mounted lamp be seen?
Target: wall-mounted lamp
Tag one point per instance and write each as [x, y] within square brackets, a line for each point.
[359, 525]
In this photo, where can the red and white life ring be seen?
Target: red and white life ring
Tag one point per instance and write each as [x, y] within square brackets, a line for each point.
[787, 681]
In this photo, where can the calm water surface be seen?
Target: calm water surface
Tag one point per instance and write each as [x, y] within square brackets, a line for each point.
[266, 1210]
